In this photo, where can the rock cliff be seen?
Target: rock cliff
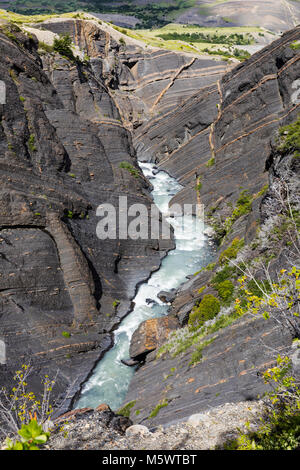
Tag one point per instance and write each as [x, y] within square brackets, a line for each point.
[62, 142]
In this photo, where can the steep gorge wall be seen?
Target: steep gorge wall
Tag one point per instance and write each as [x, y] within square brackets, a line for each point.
[252, 100]
[62, 142]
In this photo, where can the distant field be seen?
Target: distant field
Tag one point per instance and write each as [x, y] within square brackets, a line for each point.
[195, 39]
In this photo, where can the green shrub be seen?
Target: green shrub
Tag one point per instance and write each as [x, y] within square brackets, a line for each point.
[210, 162]
[295, 45]
[243, 206]
[198, 353]
[225, 290]
[226, 273]
[281, 425]
[259, 287]
[62, 45]
[232, 251]
[209, 307]
[289, 137]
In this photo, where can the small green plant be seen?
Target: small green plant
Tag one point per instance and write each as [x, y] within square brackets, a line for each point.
[295, 45]
[158, 407]
[289, 138]
[197, 355]
[66, 334]
[198, 186]
[274, 298]
[210, 162]
[22, 99]
[243, 206]
[281, 424]
[32, 437]
[45, 47]
[22, 414]
[132, 170]
[116, 303]
[31, 142]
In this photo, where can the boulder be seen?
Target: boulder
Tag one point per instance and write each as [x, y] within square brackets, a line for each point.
[167, 296]
[197, 419]
[102, 407]
[74, 414]
[129, 362]
[137, 429]
[150, 334]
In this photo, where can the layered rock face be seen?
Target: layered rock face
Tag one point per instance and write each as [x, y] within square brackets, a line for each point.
[62, 142]
[230, 150]
[143, 82]
[65, 130]
[231, 122]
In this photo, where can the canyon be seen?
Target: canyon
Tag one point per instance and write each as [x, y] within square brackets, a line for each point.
[66, 128]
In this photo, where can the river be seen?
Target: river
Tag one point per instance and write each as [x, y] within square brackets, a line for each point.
[110, 380]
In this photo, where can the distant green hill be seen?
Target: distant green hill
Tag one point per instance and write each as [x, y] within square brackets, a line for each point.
[155, 12]
[274, 15]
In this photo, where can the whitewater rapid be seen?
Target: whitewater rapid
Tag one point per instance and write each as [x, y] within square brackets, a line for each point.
[110, 380]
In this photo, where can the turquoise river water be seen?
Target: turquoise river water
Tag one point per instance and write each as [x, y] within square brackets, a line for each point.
[110, 380]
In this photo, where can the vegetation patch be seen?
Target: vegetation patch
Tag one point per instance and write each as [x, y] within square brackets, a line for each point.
[203, 37]
[280, 428]
[225, 290]
[295, 45]
[46, 47]
[289, 138]
[208, 308]
[158, 407]
[31, 143]
[129, 167]
[126, 409]
[210, 162]
[232, 251]
[63, 45]
[66, 334]
[197, 355]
